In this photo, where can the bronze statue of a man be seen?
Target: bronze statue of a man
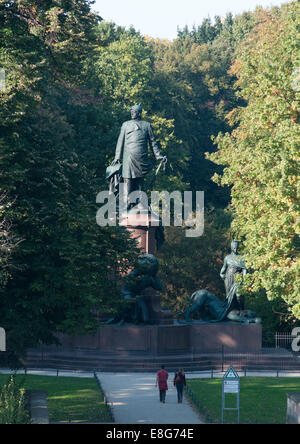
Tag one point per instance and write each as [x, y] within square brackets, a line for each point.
[132, 149]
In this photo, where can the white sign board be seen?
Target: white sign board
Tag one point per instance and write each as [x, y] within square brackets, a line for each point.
[231, 386]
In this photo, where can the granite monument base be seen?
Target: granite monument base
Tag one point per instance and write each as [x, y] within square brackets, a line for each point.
[143, 228]
[158, 340]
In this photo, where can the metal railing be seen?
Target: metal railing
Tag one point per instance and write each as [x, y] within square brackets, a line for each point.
[284, 340]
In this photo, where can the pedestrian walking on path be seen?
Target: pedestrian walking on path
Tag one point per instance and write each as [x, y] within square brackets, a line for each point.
[179, 382]
[161, 380]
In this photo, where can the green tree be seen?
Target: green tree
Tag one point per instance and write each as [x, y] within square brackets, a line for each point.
[261, 155]
[8, 242]
[204, 33]
[192, 88]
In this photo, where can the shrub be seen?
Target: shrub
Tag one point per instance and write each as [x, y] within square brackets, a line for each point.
[13, 404]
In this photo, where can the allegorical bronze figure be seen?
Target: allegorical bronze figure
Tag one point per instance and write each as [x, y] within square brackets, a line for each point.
[211, 309]
[233, 264]
[142, 277]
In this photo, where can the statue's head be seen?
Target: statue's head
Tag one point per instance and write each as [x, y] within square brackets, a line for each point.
[148, 264]
[234, 246]
[136, 111]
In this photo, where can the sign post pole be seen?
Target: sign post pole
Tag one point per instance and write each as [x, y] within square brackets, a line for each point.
[231, 384]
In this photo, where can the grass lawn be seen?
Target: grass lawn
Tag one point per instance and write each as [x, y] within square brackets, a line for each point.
[77, 399]
[262, 400]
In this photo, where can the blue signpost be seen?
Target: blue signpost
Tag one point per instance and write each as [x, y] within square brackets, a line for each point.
[231, 384]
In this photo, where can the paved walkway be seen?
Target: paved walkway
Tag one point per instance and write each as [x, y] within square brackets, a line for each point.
[135, 400]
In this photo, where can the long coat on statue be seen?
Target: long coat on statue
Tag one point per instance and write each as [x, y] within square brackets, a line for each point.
[135, 136]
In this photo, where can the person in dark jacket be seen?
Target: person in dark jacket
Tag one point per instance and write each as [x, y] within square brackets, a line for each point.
[179, 382]
[161, 381]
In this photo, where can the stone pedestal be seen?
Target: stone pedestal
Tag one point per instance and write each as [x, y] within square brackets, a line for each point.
[233, 337]
[157, 340]
[143, 227]
[157, 314]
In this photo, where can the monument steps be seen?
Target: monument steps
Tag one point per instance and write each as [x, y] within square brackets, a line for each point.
[79, 360]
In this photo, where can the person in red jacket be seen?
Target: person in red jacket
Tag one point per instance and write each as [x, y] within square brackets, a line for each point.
[161, 381]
